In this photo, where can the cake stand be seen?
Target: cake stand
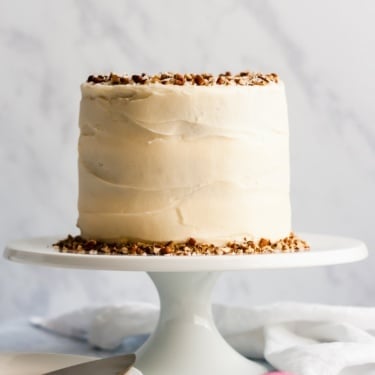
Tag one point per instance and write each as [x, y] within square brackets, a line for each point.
[186, 341]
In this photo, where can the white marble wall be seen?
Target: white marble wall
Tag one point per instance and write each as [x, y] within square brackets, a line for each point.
[324, 51]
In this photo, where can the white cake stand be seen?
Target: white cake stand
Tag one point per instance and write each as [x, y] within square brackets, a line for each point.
[186, 341]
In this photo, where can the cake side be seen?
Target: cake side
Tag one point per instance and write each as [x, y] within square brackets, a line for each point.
[168, 162]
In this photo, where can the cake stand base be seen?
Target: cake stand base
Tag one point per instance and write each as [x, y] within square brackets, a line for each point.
[186, 340]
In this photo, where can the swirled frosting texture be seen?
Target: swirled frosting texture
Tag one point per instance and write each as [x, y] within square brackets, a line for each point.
[160, 163]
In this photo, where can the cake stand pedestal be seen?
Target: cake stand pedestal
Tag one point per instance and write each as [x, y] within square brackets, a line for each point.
[186, 341]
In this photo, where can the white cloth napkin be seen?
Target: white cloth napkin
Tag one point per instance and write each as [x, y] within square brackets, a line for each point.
[303, 339]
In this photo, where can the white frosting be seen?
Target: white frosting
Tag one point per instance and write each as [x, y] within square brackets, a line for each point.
[160, 163]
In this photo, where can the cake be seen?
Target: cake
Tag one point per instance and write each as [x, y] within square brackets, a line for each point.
[184, 162]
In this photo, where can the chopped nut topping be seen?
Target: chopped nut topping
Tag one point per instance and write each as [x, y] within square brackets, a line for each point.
[244, 78]
[221, 80]
[80, 245]
[264, 242]
[115, 79]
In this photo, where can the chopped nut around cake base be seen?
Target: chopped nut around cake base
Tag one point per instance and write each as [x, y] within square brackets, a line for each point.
[79, 245]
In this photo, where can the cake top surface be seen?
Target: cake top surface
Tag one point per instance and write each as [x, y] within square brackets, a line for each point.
[245, 78]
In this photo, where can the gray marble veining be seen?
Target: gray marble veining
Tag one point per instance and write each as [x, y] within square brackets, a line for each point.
[323, 51]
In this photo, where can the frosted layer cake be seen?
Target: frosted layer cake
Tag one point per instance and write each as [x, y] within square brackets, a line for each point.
[184, 164]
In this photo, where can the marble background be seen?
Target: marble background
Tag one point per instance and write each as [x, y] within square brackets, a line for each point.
[323, 50]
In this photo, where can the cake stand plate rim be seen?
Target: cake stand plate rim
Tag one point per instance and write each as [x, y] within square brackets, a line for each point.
[325, 250]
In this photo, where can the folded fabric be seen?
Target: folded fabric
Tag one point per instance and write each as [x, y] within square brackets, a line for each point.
[302, 339]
